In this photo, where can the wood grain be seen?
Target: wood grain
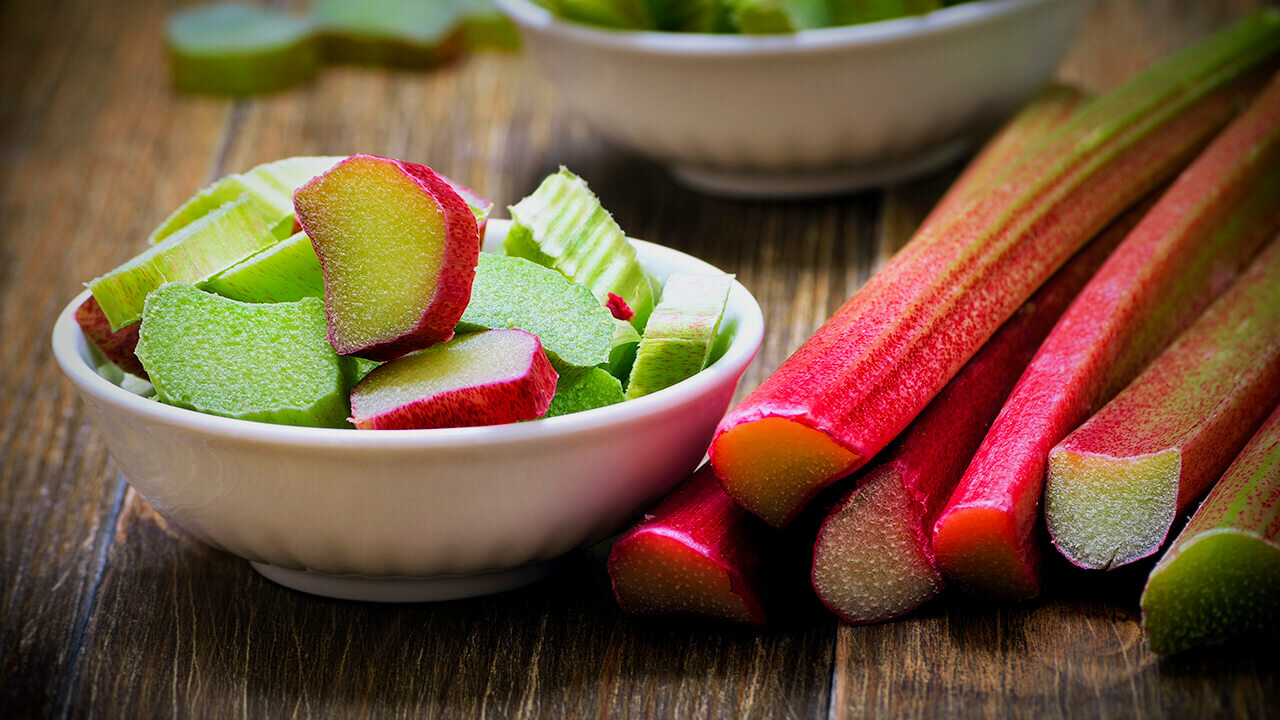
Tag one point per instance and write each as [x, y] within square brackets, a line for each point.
[109, 612]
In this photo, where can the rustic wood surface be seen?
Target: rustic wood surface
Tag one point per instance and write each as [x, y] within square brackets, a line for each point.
[109, 612]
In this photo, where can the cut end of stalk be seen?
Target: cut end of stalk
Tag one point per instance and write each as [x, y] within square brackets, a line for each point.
[871, 560]
[1104, 512]
[1223, 585]
[977, 550]
[774, 465]
[657, 574]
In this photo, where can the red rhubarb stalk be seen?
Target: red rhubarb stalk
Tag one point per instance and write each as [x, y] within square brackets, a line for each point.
[697, 552]
[862, 378]
[874, 559]
[1117, 482]
[1192, 244]
[1220, 580]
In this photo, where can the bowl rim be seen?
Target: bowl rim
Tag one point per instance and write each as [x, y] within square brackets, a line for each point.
[70, 348]
[527, 14]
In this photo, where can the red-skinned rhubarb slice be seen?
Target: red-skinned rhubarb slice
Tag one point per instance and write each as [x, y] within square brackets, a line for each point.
[1197, 238]
[398, 247]
[1117, 482]
[115, 345]
[486, 378]
[862, 378]
[873, 559]
[696, 552]
[1220, 580]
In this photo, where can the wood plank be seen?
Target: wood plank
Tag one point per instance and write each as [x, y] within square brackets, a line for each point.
[92, 152]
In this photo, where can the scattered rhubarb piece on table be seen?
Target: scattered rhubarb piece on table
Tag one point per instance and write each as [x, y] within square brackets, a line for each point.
[874, 559]
[198, 251]
[396, 33]
[1199, 236]
[1220, 580]
[681, 332]
[265, 362]
[696, 552]
[486, 378]
[515, 293]
[1116, 484]
[862, 378]
[233, 49]
[399, 249]
[563, 226]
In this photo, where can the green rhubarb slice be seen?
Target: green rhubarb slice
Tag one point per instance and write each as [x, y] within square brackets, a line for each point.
[1220, 580]
[514, 293]
[620, 14]
[681, 332]
[197, 252]
[264, 362]
[623, 354]
[397, 33]
[779, 16]
[285, 272]
[581, 389]
[563, 226]
[850, 12]
[233, 49]
[484, 26]
[269, 188]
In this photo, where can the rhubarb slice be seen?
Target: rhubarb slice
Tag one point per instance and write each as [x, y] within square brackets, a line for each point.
[285, 272]
[563, 226]
[233, 49]
[874, 559]
[515, 293]
[678, 338]
[849, 12]
[779, 16]
[621, 14]
[399, 249]
[268, 188]
[580, 389]
[484, 26]
[205, 247]
[396, 33]
[116, 346]
[696, 552]
[1220, 580]
[485, 378]
[1117, 482]
[1198, 237]
[264, 362]
[882, 357]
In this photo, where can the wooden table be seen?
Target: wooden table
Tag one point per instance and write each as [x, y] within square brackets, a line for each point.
[110, 612]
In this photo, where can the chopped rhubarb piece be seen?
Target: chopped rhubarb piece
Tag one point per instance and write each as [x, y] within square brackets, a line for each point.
[228, 48]
[696, 552]
[486, 378]
[1220, 580]
[874, 558]
[619, 307]
[1117, 482]
[862, 378]
[399, 249]
[115, 345]
[681, 332]
[1199, 236]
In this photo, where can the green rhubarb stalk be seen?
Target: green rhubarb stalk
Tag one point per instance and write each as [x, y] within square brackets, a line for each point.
[285, 272]
[1220, 580]
[198, 251]
[1199, 236]
[1116, 484]
[882, 357]
[679, 336]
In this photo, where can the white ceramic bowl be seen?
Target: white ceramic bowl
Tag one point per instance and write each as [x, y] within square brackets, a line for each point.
[819, 111]
[407, 515]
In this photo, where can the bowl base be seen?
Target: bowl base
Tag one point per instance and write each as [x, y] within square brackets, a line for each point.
[400, 589]
[764, 184]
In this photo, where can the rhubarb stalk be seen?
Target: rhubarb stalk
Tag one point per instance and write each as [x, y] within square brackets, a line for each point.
[1117, 482]
[1192, 244]
[861, 379]
[1221, 578]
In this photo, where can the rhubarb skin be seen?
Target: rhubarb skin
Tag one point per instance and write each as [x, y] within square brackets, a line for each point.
[697, 552]
[1186, 251]
[1220, 580]
[861, 379]
[115, 345]
[1117, 482]
[873, 559]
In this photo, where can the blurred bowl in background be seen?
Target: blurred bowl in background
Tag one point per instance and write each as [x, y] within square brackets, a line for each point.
[812, 113]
